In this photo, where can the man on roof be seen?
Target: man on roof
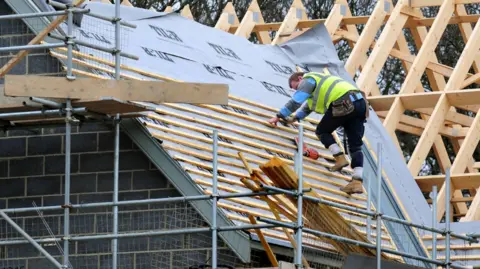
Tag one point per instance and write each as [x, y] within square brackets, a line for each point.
[342, 104]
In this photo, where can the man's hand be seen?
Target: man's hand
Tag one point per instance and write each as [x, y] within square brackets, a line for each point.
[273, 121]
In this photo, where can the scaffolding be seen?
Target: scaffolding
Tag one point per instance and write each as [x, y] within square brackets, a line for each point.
[67, 110]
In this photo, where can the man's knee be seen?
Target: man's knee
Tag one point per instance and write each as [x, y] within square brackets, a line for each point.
[326, 139]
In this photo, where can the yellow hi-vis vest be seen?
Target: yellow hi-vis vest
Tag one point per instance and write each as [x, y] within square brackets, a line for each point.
[328, 89]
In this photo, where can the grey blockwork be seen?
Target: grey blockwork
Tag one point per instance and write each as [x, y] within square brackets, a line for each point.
[42, 4]
[46, 188]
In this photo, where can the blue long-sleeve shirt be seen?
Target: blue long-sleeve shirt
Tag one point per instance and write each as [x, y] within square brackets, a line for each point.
[304, 90]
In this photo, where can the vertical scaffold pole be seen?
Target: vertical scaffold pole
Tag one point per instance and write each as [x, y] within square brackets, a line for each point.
[70, 43]
[434, 222]
[116, 159]
[66, 221]
[379, 217]
[447, 219]
[298, 254]
[117, 39]
[215, 199]
[369, 206]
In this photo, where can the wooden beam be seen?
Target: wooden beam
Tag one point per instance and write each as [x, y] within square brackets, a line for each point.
[37, 39]
[335, 16]
[380, 53]
[417, 101]
[411, 22]
[249, 20]
[428, 47]
[367, 37]
[466, 31]
[460, 181]
[465, 154]
[419, 125]
[266, 246]
[186, 12]
[289, 24]
[129, 90]
[425, 3]
[429, 135]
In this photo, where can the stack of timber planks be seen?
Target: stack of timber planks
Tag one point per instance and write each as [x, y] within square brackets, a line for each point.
[318, 217]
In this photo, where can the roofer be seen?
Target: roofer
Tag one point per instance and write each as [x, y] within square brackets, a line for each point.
[342, 104]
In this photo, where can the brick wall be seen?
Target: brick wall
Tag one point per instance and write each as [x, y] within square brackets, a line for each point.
[32, 170]
[16, 33]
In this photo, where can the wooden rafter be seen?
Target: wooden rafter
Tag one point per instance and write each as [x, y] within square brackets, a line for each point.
[438, 109]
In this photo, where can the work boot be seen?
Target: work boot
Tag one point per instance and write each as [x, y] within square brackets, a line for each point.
[354, 187]
[340, 162]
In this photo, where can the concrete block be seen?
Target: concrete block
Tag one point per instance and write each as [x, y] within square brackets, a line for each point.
[198, 240]
[105, 181]
[86, 142]
[153, 260]
[163, 194]
[133, 195]
[104, 222]
[34, 226]
[19, 69]
[24, 202]
[94, 246]
[4, 42]
[96, 162]
[16, 187]
[106, 141]
[14, 264]
[43, 63]
[13, 147]
[21, 38]
[50, 200]
[56, 164]
[152, 179]
[44, 185]
[171, 242]
[3, 168]
[24, 132]
[22, 251]
[94, 198]
[186, 259]
[83, 183]
[58, 130]
[29, 166]
[82, 224]
[132, 160]
[84, 262]
[40, 145]
[94, 127]
[132, 244]
[42, 263]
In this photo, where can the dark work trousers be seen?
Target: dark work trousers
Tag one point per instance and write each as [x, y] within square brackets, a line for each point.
[353, 125]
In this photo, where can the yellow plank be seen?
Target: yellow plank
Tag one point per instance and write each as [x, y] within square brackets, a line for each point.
[131, 90]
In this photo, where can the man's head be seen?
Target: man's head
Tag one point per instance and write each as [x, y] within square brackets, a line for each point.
[295, 79]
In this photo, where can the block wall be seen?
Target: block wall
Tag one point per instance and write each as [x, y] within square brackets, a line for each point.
[32, 164]
[16, 33]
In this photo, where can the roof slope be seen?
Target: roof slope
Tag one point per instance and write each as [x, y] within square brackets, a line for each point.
[257, 75]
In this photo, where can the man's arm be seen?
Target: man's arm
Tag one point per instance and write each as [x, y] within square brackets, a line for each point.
[305, 89]
[303, 113]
